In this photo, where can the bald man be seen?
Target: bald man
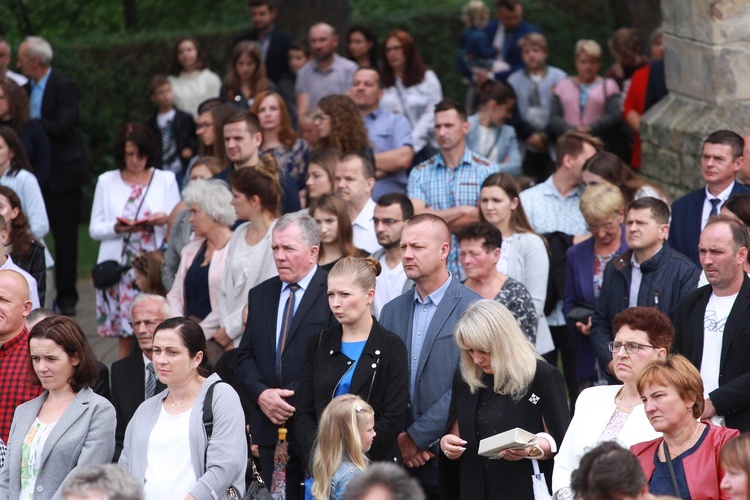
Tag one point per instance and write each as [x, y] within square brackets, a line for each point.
[326, 73]
[16, 386]
[424, 318]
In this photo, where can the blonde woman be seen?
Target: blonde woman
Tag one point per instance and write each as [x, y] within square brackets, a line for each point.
[357, 356]
[347, 428]
[501, 384]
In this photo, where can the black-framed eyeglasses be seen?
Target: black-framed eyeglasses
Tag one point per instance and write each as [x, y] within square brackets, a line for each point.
[148, 323]
[387, 222]
[630, 347]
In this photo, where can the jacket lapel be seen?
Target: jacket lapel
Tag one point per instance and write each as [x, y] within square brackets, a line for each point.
[316, 287]
[741, 304]
[442, 313]
[68, 418]
[369, 361]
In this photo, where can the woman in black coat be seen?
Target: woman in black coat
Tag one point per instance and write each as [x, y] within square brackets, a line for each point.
[501, 384]
[358, 356]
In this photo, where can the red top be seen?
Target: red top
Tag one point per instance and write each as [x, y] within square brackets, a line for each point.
[16, 385]
[703, 470]
[635, 100]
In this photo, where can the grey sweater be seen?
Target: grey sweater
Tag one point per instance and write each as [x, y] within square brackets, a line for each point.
[227, 452]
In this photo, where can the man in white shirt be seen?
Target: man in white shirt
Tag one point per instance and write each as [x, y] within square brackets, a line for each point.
[391, 212]
[711, 323]
[355, 178]
[5, 54]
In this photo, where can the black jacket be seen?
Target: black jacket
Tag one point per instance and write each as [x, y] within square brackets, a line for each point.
[184, 135]
[667, 277]
[34, 264]
[732, 398]
[381, 378]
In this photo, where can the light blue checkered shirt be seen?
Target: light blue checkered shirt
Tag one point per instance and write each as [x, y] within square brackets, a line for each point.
[442, 187]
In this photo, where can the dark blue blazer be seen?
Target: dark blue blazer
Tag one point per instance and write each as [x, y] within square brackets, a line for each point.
[511, 49]
[685, 230]
[579, 289]
[256, 369]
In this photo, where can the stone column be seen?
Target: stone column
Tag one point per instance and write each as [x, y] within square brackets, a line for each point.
[707, 64]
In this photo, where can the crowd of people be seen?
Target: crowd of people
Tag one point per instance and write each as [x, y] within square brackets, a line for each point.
[330, 281]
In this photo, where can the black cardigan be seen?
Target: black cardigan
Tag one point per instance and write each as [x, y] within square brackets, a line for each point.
[381, 378]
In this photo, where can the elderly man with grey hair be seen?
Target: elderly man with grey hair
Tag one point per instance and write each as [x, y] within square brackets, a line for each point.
[102, 482]
[53, 101]
[133, 377]
[283, 312]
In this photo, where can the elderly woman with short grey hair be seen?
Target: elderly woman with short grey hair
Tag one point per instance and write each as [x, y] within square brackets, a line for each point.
[195, 293]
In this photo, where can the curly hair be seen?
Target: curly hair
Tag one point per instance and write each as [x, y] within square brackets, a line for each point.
[258, 81]
[348, 132]
[18, 103]
[20, 231]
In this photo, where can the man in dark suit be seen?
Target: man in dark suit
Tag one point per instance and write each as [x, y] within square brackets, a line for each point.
[54, 102]
[711, 323]
[721, 159]
[274, 44]
[133, 377]
[283, 312]
[424, 319]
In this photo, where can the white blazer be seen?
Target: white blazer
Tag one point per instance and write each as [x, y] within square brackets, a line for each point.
[594, 408]
[109, 200]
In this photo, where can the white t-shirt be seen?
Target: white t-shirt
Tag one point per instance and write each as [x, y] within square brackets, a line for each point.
[388, 286]
[714, 320]
[169, 468]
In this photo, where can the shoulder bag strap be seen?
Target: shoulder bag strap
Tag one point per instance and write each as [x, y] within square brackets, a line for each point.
[140, 205]
[403, 104]
[208, 416]
[672, 474]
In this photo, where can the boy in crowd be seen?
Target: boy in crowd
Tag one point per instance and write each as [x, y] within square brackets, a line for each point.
[174, 130]
[533, 86]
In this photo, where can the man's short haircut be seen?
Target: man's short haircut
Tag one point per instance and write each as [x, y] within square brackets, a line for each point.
[166, 309]
[157, 82]
[209, 104]
[508, 4]
[534, 40]
[490, 236]
[608, 471]
[368, 168]
[395, 479]
[431, 219]
[334, 31]
[112, 481]
[495, 91]
[370, 68]
[447, 104]
[260, 3]
[307, 227]
[37, 46]
[39, 314]
[407, 208]
[659, 209]
[253, 124]
[727, 138]
[571, 143]
[740, 236]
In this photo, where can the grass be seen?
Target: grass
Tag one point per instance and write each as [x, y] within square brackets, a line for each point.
[88, 250]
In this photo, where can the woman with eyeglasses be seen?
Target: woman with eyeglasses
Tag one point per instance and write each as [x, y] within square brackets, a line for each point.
[603, 209]
[615, 412]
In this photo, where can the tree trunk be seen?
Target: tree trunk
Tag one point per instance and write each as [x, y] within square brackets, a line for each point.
[130, 13]
[296, 16]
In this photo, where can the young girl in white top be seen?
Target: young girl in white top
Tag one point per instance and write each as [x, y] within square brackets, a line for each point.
[345, 434]
[192, 82]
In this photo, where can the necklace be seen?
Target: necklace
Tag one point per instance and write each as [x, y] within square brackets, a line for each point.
[686, 444]
[177, 405]
[620, 402]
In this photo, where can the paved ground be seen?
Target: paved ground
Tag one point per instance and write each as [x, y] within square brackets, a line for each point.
[105, 348]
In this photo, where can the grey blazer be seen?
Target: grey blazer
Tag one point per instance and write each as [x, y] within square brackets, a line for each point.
[227, 453]
[437, 362]
[84, 435]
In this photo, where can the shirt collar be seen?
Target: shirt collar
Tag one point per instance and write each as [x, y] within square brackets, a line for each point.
[374, 115]
[723, 196]
[552, 189]
[18, 341]
[304, 282]
[146, 361]
[465, 159]
[333, 65]
[42, 81]
[436, 296]
[364, 217]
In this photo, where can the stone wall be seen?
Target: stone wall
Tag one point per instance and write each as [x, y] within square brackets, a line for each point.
[707, 65]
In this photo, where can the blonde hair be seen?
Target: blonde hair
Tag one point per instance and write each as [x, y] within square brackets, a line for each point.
[339, 438]
[589, 47]
[534, 40]
[476, 14]
[362, 270]
[489, 326]
[601, 201]
[736, 454]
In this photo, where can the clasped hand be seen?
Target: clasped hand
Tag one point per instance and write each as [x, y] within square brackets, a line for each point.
[271, 402]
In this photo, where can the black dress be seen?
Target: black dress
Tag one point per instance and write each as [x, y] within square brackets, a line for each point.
[486, 413]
